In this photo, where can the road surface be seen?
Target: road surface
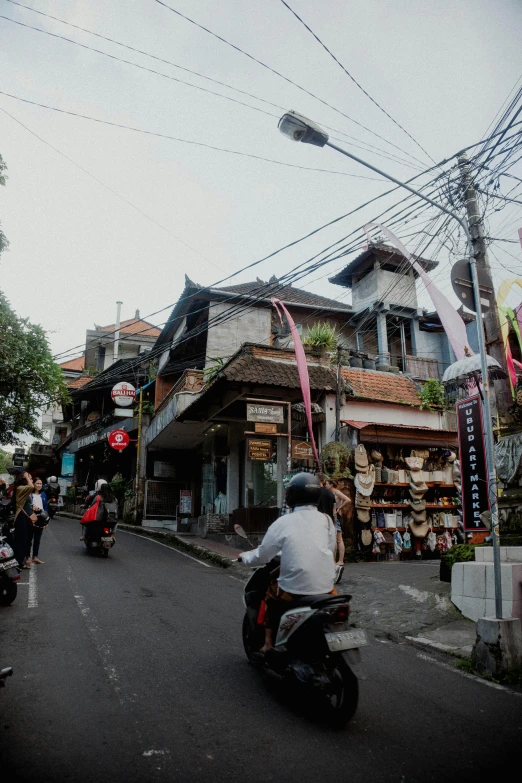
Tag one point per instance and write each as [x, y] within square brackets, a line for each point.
[131, 669]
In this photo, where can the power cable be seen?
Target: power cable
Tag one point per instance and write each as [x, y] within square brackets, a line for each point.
[282, 76]
[354, 80]
[183, 141]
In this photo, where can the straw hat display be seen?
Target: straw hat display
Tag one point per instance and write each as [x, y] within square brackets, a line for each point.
[361, 459]
[364, 482]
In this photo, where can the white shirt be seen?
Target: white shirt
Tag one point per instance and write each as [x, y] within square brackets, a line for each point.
[37, 501]
[306, 540]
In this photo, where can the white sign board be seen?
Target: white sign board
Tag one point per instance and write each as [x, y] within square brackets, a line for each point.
[269, 413]
[185, 501]
[164, 470]
[123, 394]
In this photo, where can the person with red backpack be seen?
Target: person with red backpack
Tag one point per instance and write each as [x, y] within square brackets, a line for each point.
[102, 509]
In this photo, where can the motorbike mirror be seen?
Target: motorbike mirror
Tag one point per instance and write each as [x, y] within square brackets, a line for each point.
[240, 532]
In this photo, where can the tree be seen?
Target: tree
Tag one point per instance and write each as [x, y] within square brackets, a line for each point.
[4, 242]
[29, 378]
[6, 461]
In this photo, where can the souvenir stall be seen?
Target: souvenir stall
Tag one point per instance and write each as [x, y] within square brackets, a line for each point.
[407, 500]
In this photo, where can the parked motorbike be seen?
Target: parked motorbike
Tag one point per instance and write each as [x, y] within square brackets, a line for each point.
[9, 573]
[99, 537]
[316, 647]
[52, 491]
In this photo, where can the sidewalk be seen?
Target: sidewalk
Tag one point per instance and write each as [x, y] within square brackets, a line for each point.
[402, 602]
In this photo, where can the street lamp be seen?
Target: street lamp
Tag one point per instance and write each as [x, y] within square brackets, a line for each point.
[298, 128]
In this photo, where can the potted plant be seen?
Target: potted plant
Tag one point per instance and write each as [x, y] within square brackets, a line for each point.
[321, 336]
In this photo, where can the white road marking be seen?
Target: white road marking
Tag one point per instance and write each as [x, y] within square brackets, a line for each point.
[32, 600]
[475, 677]
[172, 548]
[155, 752]
[103, 648]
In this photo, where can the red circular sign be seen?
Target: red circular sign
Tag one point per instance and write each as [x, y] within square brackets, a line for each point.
[118, 439]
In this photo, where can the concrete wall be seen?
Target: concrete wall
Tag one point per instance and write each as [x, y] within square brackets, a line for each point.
[382, 284]
[388, 413]
[252, 325]
[432, 345]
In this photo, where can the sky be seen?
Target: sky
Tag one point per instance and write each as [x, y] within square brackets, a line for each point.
[167, 208]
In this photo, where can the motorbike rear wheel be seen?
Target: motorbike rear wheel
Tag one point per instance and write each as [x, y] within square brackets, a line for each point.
[253, 640]
[105, 552]
[8, 591]
[343, 695]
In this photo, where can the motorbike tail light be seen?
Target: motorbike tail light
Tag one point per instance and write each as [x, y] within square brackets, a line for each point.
[341, 614]
[15, 578]
[106, 531]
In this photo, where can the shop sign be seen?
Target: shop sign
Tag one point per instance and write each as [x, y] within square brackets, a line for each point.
[302, 449]
[19, 459]
[474, 476]
[87, 440]
[123, 394]
[259, 450]
[265, 429]
[185, 501]
[118, 439]
[67, 463]
[270, 413]
[164, 469]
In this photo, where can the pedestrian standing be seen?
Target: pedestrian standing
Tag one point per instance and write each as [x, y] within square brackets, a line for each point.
[34, 534]
[24, 515]
[341, 501]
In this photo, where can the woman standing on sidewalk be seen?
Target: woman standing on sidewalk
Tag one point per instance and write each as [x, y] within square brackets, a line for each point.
[341, 501]
[34, 535]
[24, 515]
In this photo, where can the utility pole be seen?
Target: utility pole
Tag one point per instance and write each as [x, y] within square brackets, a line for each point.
[494, 341]
[338, 395]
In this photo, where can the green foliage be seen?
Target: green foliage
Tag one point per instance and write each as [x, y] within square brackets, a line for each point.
[209, 373]
[321, 335]
[148, 407]
[29, 378]
[461, 553]
[335, 457]
[122, 489]
[432, 394]
[4, 242]
[6, 461]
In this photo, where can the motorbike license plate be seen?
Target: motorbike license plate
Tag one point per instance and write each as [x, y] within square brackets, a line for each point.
[346, 640]
[8, 564]
[106, 538]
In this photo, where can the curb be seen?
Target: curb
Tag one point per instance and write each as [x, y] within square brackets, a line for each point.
[179, 543]
[427, 644]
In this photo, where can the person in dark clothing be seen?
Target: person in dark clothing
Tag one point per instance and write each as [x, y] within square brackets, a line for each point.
[24, 515]
[327, 499]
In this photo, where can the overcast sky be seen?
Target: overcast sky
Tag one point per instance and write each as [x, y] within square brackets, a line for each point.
[440, 69]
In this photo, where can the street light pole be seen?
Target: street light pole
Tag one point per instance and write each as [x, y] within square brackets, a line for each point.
[299, 128]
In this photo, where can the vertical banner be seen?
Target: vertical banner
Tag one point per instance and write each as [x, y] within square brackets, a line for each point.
[67, 464]
[473, 469]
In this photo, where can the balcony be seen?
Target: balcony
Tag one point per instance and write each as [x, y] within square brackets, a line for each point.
[422, 369]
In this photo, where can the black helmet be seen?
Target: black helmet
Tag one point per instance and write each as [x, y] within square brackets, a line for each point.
[304, 489]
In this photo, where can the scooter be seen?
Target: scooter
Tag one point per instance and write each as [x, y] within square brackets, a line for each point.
[99, 537]
[9, 573]
[316, 648]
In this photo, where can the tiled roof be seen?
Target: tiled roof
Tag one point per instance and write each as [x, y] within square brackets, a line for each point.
[133, 326]
[74, 364]
[345, 276]
[77, 383]
[382, 386]
[254, 369]
[287, 293]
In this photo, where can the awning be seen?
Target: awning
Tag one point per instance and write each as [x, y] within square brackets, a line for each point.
[404, 434]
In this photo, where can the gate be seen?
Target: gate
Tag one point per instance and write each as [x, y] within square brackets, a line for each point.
[162, 499]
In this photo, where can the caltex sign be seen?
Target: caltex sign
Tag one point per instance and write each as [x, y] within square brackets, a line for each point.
[123, 394]
[118, 439]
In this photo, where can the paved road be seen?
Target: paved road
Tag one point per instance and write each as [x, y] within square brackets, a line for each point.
[131, 669]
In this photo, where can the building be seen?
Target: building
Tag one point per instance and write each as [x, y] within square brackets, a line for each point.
[106, 344]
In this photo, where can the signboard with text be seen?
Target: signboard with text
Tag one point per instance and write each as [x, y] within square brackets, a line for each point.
[67, 464]
[185, 501]
[472, 453]
[271, 413]
[302, 449]
[118, 440]
[123, 394]
[265, 429]
[259, 450]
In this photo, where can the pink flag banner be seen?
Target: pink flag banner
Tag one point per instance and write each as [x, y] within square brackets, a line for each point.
[451, 321]
[302, 368]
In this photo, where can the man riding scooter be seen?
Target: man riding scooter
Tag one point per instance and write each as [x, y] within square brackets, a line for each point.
[52, 492]
[306, 541]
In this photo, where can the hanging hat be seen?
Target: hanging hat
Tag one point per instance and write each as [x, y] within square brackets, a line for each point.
[419, 530]
[361, 458]
[362, 501]
[417, 504]
[366, 537]
[418, 516]
[376, 455]
[363, 514]
[450, 456]
[414, 463]
[364, 482]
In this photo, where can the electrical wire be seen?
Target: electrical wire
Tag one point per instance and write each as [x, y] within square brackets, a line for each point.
[354, 80]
